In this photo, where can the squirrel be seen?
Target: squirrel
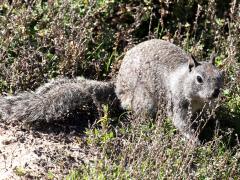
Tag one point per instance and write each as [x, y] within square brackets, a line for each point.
[152, 72]
[157, 71]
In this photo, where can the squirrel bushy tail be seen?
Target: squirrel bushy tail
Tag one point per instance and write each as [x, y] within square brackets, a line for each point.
[57, 100]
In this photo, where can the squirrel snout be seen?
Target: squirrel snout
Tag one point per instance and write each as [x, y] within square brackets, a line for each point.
[215, 93]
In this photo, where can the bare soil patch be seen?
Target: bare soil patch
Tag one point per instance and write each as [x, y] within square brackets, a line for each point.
[51, 149]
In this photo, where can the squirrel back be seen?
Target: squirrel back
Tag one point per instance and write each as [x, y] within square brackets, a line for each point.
[149, 64]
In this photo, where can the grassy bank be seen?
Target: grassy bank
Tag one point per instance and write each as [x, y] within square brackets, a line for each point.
[40, 40]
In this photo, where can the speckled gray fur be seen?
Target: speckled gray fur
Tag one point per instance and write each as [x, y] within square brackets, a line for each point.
[151, 73]
[157, 71]
[56, 100]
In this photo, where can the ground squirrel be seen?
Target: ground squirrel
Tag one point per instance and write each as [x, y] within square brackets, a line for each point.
[156, 71]
[151, 72]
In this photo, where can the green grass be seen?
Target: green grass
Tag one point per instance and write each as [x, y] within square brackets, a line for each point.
[146, 151]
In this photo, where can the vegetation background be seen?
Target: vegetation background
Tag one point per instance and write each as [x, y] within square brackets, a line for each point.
[40, 40]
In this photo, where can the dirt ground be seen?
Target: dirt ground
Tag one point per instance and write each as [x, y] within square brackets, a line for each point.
[27, 154]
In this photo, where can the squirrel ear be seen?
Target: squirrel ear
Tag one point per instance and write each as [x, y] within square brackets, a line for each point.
[192, 63]
[212, 58]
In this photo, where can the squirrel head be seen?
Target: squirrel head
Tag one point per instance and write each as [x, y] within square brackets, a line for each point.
[205, 79]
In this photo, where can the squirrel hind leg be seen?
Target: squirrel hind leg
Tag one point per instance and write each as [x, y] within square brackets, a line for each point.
[143, 105]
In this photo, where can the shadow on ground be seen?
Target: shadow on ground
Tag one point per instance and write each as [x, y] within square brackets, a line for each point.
[226, 123]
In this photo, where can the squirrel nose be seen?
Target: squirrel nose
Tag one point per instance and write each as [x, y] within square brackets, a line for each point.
[215, 93]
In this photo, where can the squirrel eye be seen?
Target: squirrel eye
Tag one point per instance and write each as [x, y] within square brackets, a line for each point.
[199, 79]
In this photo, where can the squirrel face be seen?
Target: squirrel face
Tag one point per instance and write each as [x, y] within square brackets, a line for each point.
[206, 80]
